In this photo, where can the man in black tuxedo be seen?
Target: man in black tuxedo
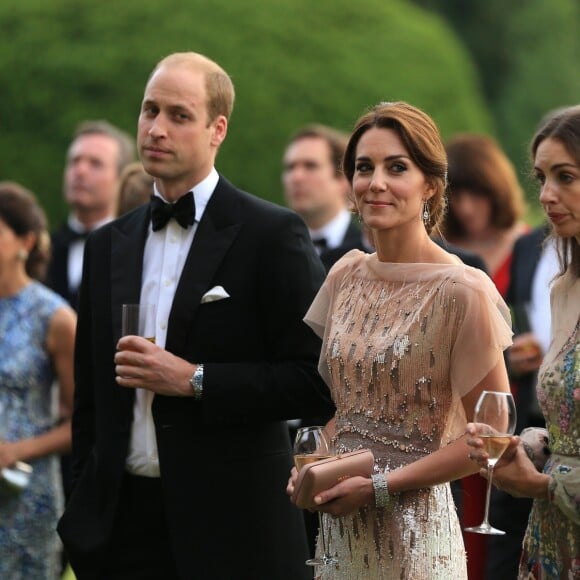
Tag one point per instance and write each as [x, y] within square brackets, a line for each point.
[95, 159]
[316, 188]
[181, 451]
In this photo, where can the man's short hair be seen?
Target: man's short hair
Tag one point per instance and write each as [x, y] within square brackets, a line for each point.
[219, 86]
[336, 141]
[124, 140]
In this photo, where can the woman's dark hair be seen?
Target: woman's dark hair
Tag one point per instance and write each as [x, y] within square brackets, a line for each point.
[23, 215]
[478, 165]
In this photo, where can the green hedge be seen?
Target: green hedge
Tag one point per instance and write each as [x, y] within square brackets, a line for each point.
[293, 62]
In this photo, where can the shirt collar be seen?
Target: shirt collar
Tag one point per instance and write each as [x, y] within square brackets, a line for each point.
[75, 225]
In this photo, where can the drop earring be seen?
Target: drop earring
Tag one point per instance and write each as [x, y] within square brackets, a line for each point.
[426, 215]
[354, 211]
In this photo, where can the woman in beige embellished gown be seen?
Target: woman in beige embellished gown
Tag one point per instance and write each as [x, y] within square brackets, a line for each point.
[411, 338]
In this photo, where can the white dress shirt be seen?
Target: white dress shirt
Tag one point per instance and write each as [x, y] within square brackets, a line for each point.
[539, 306]
[334, 231]
[165, 253]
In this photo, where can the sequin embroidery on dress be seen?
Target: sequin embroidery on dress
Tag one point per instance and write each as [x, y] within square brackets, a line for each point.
[387, 354]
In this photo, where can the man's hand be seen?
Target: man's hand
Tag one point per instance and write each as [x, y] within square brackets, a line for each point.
[141, 364]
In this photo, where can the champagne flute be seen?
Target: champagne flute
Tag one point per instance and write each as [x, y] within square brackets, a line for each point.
[310, 445]
[495, 415]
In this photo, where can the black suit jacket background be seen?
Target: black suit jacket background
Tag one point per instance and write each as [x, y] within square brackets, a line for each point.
[57, 274]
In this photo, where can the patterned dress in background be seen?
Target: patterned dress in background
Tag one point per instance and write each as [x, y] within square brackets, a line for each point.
[402, 344]
[29, 546]
[552, 541]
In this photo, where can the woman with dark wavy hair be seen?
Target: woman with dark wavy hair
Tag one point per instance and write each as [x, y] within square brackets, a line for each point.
[551, 546]
[36, 347]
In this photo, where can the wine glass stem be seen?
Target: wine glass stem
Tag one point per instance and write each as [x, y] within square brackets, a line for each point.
[488, 493]
[322, 536]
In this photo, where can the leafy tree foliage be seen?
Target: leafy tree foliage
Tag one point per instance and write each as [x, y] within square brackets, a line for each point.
[293, 63]
[527, 52]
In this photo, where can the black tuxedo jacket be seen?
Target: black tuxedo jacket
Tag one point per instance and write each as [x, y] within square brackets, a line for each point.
[57, 274]
[352, 241]
[526, 255]
[224, 460]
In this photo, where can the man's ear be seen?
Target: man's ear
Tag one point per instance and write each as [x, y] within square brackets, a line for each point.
[220, 130]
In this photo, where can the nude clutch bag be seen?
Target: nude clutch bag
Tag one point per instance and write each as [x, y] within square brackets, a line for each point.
[321, 475]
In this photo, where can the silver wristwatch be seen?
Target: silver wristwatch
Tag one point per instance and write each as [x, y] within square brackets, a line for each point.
[196, 382]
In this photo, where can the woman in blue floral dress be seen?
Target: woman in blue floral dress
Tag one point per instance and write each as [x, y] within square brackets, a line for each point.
[36, 347]
[551, 546]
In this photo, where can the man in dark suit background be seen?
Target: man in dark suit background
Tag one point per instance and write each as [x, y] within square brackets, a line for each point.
[181, 450]
[316, 188]
[95, 159]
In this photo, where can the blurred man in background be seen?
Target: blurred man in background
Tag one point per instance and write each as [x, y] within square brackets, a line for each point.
[94, 162]
[95, 159]
[316, 188]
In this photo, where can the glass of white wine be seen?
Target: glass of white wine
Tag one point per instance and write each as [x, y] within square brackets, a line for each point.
[312, 444]
[495, 416]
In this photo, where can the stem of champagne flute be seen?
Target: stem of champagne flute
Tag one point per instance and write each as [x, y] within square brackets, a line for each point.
[322, 536]
[488, 494]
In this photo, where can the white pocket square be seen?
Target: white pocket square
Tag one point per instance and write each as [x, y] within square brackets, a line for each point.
[216, 293]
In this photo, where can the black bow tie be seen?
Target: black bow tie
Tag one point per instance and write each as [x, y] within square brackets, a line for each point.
[320, 244]
[183, 211]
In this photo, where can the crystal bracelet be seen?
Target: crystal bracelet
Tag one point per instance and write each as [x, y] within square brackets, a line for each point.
[381, 489]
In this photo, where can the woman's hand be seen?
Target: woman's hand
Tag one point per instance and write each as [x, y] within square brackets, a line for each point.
[514, 473]
[478, 453]
[346, 497]
[8, 454]
[292, 482]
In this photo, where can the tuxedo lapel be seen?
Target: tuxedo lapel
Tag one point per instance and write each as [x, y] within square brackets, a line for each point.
[216, 232]
[127, 247]
[530, 252]
[57, 276]
[352, 236]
